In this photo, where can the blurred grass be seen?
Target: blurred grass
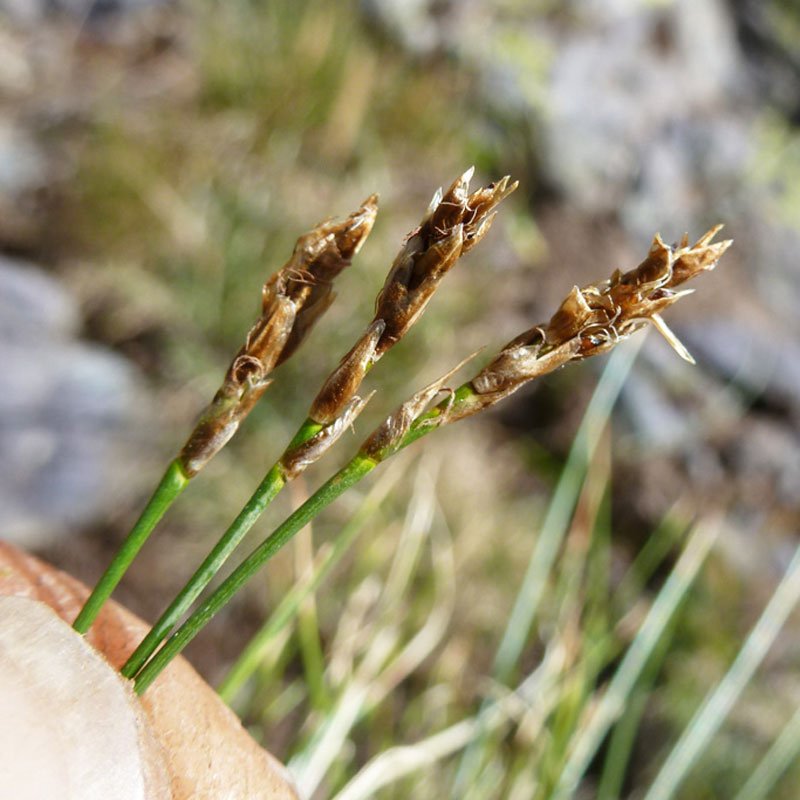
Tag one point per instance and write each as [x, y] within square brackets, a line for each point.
[266, 118]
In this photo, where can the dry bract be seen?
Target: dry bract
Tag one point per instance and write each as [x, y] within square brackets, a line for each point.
[388, 437]
[590, 321]
[345, 380]
[299, 458]
[456, 221]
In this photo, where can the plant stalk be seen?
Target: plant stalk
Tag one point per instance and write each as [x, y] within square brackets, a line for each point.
[460, 400]
[261, 498]
[174, 481]
[527, 357]
[339, 483]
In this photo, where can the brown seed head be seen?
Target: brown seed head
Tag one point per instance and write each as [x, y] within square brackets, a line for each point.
[345, 380]
[293, 299]
[319, 257]
[701, 256]
[454, 223]
[481, 205]
[594, 319]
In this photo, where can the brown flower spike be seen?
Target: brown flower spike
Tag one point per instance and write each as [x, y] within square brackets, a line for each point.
[594, 319]
[456, 221]
[590, 321]
[453, 224]
[293, 299]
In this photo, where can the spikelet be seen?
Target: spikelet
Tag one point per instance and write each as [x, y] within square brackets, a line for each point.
[590, 321]
[387, 438]
[293, 299]
[454, 223]
[595, 318]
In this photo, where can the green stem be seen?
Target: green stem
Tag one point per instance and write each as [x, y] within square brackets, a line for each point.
[461, 399]
[328, 492]
[251, 656]
[262, 497]
[175, 480]
[457, 404]
[311, 653]
[266, 492]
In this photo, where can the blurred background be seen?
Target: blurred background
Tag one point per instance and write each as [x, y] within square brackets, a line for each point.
[158, 161]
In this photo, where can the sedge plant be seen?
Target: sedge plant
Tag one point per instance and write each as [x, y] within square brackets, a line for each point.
[454, 223]
[292, 301]
[590, 321]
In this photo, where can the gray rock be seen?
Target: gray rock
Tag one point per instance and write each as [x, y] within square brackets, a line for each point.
[773, 250]
[32, 305]
[27, 12]
[23, 171]
[622, 91]
[423, 27]
[766, 461]
[759, 362]
[657, 422]
[22, 166]
[67, 412]
[687, 169]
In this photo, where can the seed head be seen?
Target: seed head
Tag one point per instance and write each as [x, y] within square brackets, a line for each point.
[346, 379]
[318, 258]
[293, 299]
[454, 223]
[594, 319]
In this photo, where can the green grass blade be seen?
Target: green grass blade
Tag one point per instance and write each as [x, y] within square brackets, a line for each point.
[400, 761]
[551, 536]
[715, 708]
[559, 512]
[609, 709]
[620, 747]
[670, 531]
[387, 660]
[310, 645]
[249, 660]
[783, 753]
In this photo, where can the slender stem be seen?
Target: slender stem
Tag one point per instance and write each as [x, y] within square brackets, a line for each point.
[262, 497]
[459, 401]
[328, 492]
[174, 481]
[462, 398]
[311, 654]
[251, 656]
[266, 492]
